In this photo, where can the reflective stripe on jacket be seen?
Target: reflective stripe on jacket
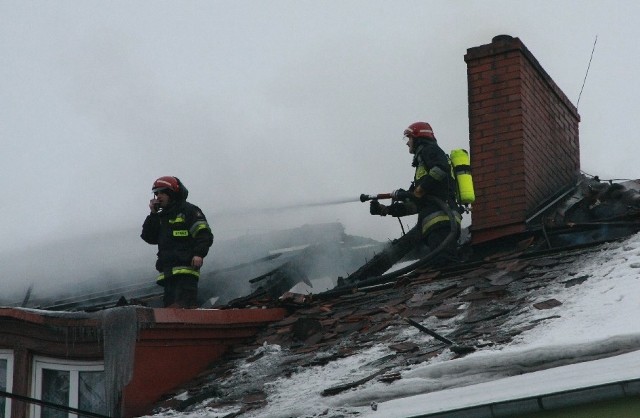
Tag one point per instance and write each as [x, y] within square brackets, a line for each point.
[438, 218]
[180, 270]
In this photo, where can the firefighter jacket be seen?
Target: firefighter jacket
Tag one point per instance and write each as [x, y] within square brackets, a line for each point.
[433, 177]
[181, 232]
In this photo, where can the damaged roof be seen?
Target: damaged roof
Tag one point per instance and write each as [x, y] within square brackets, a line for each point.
[240, 266]
[346, 351]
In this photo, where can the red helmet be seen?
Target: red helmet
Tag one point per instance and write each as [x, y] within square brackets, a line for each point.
[166, 183]
[419, 130]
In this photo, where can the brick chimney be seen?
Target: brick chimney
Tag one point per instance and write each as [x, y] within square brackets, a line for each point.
[523, 137]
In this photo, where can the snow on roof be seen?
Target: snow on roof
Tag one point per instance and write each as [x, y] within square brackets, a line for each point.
[531, 319]
[530, 389]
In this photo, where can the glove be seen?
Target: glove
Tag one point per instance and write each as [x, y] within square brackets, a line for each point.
[400, 194]
[375, 208]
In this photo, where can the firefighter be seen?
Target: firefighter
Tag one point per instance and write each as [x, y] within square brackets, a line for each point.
[183, 236]
[433, 177]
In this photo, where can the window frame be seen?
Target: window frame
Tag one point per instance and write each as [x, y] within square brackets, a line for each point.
[74, 367]
[8, 356]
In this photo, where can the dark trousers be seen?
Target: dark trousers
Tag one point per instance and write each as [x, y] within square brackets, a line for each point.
[180, 291]
[435, 237]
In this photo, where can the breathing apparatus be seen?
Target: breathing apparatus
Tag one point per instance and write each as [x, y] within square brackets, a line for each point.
[461, 168]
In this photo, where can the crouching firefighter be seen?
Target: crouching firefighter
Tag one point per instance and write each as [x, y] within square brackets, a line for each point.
[433, 179]
[183, 236]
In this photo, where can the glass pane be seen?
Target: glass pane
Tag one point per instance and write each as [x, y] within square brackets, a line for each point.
[92, 393]
[3, 385]
[55, 389]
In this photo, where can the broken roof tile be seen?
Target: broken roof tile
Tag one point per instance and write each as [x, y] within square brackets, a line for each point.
[547, 304]
[419, 298]
[350, 326]
[378, 326]
[477, 313]
[576, 281]
[447, 311]
[490, 292]
[404, 347]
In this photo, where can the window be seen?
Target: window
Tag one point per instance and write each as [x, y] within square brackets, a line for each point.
[6, 381]
[80, 385]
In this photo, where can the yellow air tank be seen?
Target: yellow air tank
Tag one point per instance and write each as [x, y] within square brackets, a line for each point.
[461, 165]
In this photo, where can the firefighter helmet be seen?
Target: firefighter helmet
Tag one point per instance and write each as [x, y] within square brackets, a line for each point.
[172, 186]
[167, 183]
[419, 130]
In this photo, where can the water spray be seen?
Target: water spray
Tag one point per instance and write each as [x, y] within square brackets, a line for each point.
[326, 203]
[331, 202]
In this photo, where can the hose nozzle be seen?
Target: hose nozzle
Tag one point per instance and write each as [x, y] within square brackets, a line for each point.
[367, 197]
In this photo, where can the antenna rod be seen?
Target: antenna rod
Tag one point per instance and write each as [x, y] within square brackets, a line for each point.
[587, 73]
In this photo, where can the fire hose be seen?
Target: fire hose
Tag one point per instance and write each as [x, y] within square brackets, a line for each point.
[450, 238]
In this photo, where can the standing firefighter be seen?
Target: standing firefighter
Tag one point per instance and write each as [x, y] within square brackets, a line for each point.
[433, 178]
[183, 236]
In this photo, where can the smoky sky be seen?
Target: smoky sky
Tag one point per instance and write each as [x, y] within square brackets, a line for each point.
[265, 105]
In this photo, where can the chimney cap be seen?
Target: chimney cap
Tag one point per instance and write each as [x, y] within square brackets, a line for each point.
[499, 38]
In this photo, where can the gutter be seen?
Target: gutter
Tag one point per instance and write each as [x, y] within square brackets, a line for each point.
[545, 403]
